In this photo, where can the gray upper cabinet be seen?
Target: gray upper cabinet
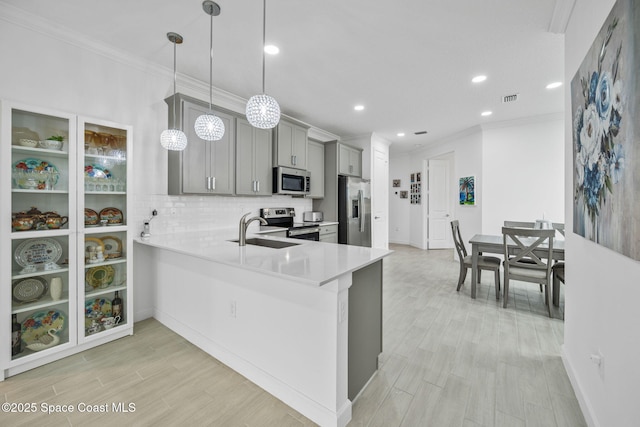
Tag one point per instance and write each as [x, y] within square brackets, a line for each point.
[203, 167]
[315, 165]
[253, 159]
[290, 145]
[349, 160]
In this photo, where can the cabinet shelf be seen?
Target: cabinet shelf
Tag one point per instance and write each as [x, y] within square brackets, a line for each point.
[30, 354]
[103, 291]
[40, 151]
[105, 158]
[41, 303]
[108, 262]
[17, 235]
[19, 275]
[23, 190]
[107, 193]
[105, 229]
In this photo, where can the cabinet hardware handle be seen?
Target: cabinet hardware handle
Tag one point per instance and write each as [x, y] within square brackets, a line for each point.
[253, 185]
[213, 182]
[257, 186]
[208, 184]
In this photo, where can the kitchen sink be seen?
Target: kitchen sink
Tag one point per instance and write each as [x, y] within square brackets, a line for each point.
[275, 244]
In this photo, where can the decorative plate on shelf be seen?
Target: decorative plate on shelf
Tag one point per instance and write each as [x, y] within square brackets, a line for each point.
[96, 171]
[112, 215]
[39, 324]
[38, 251]
[32, 173]
[30, 289]
[112, 247]
[100, 277]
[97, 307]
[91, 218]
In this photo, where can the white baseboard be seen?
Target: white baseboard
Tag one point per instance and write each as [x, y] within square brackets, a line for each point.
[583, 400]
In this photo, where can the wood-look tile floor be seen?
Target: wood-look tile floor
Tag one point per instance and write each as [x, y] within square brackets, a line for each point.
[448, 361]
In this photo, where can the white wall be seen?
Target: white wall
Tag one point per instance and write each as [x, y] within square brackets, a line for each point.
[46, 68]
[603, 287]
[523, 162]
[399, 225]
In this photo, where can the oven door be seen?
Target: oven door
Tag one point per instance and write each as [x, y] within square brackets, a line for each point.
[304, 233]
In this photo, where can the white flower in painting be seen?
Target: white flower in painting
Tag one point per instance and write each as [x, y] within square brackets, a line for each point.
[590, 135]
[617, 163]
[617, 97]
[580, 160]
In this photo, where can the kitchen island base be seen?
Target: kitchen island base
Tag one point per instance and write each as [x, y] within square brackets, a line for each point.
[288, 337]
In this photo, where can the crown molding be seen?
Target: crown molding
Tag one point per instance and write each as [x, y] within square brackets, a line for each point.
[560, 16]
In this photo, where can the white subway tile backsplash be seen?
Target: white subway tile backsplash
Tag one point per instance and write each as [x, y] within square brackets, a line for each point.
[194, 213]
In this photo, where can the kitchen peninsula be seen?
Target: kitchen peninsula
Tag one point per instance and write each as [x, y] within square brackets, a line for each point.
[304, 322]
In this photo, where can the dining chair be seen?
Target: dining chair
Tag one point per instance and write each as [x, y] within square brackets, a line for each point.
[558, 276]
[559, 227]
[484, 262]
[528, 258]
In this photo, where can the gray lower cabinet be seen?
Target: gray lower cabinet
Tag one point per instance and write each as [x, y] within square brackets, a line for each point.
[329, 233]
[253, 160]
[203, 167]
[315, 166]
[365, 326]
[290, 145]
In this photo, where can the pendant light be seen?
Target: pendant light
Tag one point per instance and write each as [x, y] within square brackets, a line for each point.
[209, 126]
[263, 111]
[174, 139]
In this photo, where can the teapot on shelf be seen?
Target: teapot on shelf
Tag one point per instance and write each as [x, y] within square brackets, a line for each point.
[22, 221]
[54, 220]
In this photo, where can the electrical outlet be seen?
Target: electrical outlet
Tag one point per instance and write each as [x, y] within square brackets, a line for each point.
[598, 360]
[232, 309]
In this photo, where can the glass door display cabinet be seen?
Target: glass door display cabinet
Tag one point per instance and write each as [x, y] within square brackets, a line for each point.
[47, 287]
[104, 257]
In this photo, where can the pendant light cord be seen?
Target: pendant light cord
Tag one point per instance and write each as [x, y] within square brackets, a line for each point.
[264, 39]
[211, 62]
[175, 77]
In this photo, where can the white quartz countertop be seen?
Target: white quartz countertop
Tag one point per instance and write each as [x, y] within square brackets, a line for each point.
[313, 263]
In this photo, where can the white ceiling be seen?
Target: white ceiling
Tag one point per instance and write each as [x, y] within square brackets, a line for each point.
[410, 62]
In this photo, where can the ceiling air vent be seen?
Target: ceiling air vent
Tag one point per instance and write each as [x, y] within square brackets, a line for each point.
[422, 132]
[510, 98]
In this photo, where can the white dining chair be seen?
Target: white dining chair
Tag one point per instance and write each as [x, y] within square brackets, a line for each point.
[528, 258]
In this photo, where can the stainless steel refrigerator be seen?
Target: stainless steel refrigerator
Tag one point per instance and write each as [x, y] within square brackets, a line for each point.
[354, 211]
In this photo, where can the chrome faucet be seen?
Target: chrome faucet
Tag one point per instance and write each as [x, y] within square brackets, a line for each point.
[244, 223]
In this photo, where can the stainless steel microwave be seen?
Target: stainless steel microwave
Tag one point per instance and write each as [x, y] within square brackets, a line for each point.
[291, 181]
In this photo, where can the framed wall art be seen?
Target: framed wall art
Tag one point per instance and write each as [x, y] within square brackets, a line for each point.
[468, 191]
[605, 104]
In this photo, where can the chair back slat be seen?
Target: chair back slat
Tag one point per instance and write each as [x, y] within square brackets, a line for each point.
[519, 224]
[457, 239]
[528, 243]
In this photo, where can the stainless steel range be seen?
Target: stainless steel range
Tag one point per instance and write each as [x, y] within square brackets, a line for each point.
[283, 217]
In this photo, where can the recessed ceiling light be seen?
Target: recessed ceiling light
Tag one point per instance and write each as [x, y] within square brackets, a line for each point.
[400, 133]
[486, 113]
[359, 107]
[271, 49]
[478, 79]
[554, 85]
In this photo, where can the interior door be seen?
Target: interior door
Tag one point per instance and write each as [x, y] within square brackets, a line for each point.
[439, 204]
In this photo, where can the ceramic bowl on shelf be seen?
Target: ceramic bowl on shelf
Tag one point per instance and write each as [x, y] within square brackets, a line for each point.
[51, 144]
[31, 143]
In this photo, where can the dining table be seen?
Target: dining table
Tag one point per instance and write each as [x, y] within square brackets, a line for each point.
[490, 243]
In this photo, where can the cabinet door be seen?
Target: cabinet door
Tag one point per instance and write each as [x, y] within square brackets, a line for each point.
[262, 161]
[222, 158]
[315, 165]
[105, 243]
[344, 163]
[245, 180]
[355, 160]
[284, 144]
[195, 158]
[299, 148]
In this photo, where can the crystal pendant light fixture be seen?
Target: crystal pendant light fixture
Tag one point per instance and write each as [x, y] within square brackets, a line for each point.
[209, 126]
[174, 139]
[263, 110]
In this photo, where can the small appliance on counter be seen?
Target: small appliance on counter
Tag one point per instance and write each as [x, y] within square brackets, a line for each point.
[283, 217]
[312, 216]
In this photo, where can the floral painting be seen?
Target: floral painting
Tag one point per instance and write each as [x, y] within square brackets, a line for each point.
[468, 190]
[605, 102]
